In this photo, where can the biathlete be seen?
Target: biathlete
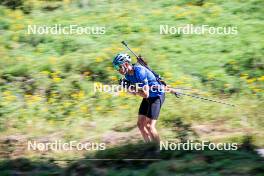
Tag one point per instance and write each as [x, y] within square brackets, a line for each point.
[151, 104]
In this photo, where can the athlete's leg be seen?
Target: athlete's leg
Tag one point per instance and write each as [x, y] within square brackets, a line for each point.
[143, 109]
[153, 114]
[142, 127]
[151, 127]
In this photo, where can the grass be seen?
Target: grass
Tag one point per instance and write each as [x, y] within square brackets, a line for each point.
[47, 81]
[241, 162]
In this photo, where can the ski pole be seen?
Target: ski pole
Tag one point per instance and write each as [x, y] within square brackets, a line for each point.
[171, 90]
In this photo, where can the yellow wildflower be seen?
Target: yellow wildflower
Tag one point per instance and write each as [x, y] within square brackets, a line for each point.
[45, 72]
[98, 59]
[17, 27]
[98, 108]
[109, 69]
[178, 82]
[10, 97]
[51, 100]
[124, 106]
[98, 86]
[251, 80]
[122, 94]
[119, 49]
[74, 95]
[83, 109]
[257, 90]
[176, 8]
[27, 96]
[145, 29]
[183, 14]
[55, 74]
[113, 78]
[72, 113]
[67, 104]
[252, 87]
[261, 78]
[136, 50]
[35, 98]
[168, 75]
[6, 93]
[54, 95]
[16, 14]
[244, 76]
[81, 95]
[56, 79]
[185, 78]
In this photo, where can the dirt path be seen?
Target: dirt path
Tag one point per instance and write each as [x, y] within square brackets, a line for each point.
[15, 146]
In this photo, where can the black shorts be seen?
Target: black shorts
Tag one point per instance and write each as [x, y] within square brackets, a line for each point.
[150, 107]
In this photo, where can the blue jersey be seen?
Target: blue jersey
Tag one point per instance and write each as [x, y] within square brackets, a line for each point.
[142, 76]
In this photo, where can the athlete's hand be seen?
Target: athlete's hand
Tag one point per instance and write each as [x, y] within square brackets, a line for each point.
[168, 88]
[124, 83]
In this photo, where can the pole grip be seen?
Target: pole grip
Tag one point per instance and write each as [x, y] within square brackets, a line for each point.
[124, 43]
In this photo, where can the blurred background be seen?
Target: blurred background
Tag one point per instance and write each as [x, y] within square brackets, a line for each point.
[47, 84]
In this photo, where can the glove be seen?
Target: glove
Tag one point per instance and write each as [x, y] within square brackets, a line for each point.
[178, 95]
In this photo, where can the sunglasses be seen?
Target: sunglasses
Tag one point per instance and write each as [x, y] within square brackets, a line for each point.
[117, 67]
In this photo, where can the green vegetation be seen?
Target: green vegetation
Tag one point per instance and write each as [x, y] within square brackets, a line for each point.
[47, 81]
[241, 162]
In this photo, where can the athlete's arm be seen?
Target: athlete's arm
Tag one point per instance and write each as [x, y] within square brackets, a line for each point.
[144, 92]
[143, 87]
[135, 89]
[141, 91]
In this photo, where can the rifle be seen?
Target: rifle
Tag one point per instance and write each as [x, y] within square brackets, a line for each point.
[144, 64]
[171, 90]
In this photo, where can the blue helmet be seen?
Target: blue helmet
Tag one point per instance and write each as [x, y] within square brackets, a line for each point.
[120, 59]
